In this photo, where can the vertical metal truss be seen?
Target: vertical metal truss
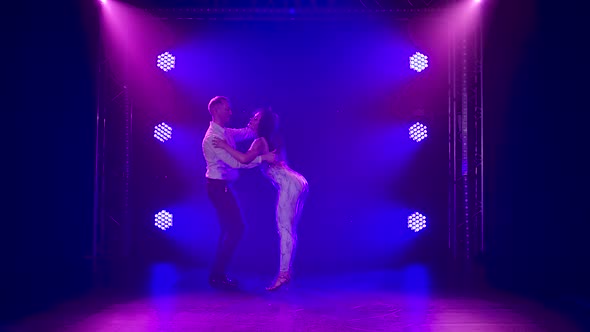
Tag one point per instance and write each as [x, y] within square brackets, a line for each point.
[466, 232]
[478, 183]
[453, 142]
[113, 158]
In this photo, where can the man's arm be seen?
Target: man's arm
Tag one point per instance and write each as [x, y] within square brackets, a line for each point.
[240, 134]
[210, 150]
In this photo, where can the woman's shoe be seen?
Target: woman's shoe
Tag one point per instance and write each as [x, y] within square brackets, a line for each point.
[282, 279]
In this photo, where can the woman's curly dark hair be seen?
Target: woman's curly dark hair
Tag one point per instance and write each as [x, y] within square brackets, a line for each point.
[268, 128]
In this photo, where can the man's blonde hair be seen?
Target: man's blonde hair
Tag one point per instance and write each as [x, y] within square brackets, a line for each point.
[216, 101]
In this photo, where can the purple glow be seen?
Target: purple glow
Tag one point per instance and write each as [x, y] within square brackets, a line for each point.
[418, 62]
[477, 1]
[162, 132]
[418, 132]
[166, 61]
[163, 220]
[416, 222]
[103, 1]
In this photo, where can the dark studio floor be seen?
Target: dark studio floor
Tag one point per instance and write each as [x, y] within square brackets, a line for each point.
[168, 298]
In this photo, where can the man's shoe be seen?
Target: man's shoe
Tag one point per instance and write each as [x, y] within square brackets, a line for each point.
[222, 282]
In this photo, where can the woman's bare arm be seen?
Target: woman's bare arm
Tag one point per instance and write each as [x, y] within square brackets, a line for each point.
[244, 158]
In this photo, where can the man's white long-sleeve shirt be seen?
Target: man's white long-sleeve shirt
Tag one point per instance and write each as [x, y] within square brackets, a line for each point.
[220, 164]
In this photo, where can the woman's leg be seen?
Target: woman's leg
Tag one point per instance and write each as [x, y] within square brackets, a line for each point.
[289, 207]
[286, 208]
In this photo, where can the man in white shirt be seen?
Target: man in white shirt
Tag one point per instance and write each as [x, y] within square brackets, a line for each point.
[222, 169]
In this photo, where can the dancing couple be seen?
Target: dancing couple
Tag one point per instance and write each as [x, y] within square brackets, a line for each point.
[223, 162]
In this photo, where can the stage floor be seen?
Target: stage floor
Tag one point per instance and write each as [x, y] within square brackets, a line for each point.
[401, 300]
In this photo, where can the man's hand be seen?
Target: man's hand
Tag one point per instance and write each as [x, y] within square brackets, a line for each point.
[250, 125]
[270, 157]
[219, 143]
